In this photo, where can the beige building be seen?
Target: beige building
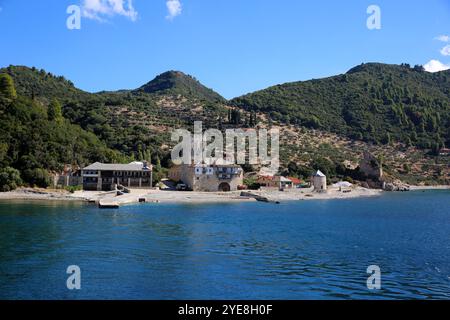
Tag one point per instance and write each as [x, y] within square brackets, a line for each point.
[278, 182]
[208, 178]
[106, 176]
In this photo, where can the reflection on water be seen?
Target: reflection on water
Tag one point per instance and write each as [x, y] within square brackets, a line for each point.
[297, 250]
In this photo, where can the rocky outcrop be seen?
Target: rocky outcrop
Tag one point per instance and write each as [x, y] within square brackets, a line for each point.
[375, 178]
[395, 186]
[371, 167]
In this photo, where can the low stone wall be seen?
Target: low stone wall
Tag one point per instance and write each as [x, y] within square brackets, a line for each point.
[67, 181]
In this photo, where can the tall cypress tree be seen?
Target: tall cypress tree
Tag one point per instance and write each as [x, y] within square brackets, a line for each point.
[54, 111]
[7, 89]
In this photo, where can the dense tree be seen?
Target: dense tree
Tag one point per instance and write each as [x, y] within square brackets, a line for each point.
[3, 152]
[54, 111]
[253, 120]
[387, 138]
[9, 179]
[370, 100]
[7, 89]
[324, 165]
[37, 177]
[35, 146]
[235, 116]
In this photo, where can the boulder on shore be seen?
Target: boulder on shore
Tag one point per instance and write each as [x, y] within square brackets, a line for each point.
[395, 186]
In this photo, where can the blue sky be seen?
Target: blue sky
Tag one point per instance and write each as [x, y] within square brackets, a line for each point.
[232, 46]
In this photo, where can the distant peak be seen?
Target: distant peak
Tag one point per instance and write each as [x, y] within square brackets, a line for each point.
[376, 67]
[173, 73]
[178, 82]
[371, 66]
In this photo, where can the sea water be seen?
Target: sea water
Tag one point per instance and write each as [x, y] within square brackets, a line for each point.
[294, 250]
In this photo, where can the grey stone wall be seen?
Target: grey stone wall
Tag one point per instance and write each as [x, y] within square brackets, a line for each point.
[204, 182]
[67, 181]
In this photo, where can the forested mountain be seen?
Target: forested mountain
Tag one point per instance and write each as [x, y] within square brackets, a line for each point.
[371, 102]
[398, 112]
[178, 83]
[32, 82]
[36, 139]
[134, 123]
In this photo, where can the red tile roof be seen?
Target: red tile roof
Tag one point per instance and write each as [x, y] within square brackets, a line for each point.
[295, 180]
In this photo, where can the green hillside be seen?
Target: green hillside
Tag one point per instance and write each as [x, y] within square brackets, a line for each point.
[38, 83]
[133, 122]
[35, 138]
[371, 102]
[371, 107]
[178, 83]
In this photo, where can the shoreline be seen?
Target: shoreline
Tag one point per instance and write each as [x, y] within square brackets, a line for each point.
[438, 187]
[190, 197]
[39, 195]
[185, 197]
[308, 194]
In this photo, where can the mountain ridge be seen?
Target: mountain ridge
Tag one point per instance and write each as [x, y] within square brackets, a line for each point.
[164, 80]
[179, 83]
[370, 102]
[377, 106]
[374, 102]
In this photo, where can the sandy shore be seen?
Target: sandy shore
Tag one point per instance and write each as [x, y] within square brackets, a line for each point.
[39, 194]
[156, 196]
[161, 196]
[165, 196]
[308, 194]
[413, 188]
[180, 197]
[292, 195]
[195, 197]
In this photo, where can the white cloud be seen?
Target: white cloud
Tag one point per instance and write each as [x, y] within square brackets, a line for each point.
[435, 66]
[445, 51]
[443, 38]
[98, 9]
[174, 8]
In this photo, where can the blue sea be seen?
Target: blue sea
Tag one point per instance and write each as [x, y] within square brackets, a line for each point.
[293, 250]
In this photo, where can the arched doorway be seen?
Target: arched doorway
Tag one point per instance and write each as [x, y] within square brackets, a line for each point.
[224, 187]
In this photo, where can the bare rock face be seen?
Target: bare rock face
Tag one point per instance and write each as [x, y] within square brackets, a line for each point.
[374, 184]
[364, 184]
[371, 167]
